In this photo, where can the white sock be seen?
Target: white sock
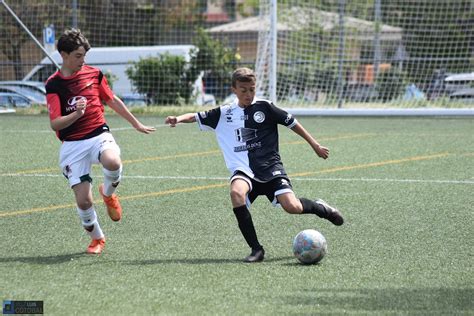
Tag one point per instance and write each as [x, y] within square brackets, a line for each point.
[111, 180]
[88, 219]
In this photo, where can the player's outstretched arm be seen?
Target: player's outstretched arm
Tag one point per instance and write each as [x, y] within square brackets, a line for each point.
[119, 107]
[172, 121]
[321, 151]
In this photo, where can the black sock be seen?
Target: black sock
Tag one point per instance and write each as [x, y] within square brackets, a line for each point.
[311, 207]
[246, 227]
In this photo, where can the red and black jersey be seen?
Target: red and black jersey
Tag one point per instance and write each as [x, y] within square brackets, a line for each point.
[62, 94]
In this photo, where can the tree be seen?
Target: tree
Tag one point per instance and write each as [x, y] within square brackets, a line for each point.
[437, 33]
[35, 15]
[135, 23]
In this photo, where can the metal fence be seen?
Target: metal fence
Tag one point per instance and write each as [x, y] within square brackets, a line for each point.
[318, 53]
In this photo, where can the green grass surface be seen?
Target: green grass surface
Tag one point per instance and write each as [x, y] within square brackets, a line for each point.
[405, 186]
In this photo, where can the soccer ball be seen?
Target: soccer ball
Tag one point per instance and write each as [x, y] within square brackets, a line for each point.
[309, 246]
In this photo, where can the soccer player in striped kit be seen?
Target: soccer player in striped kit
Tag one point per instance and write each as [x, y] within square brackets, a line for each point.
[74, 96]
[247, 133]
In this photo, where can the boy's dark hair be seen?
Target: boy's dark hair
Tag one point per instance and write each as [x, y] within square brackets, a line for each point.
[243, 75]
[71, 40]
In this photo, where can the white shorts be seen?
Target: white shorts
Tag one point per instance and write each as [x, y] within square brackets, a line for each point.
[76, 157]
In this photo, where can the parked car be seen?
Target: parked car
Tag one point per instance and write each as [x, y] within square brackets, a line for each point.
[35, 95]
[9, 100]
[465, 95]
[456, 82]
[115, 61]
[134, 99]
[34, 85]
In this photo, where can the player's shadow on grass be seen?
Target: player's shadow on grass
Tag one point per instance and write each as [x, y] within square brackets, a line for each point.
[192, 261]
[429, 301]
[47, 260]
[296, 263]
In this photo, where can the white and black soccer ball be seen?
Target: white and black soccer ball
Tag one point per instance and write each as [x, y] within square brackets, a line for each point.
[309, 246]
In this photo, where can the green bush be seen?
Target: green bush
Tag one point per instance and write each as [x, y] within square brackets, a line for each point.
[111, 78]
[165, 79]
[216, 61]
[169, 79]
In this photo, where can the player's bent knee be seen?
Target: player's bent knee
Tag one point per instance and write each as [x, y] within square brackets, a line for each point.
[110, 160]
[237, 195]
[292, 207]
[112, 165]
[85, 205]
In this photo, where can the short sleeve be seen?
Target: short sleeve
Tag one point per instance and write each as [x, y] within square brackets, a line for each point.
[282, 117]
[54, 105]
[208, 120]
[105, 93]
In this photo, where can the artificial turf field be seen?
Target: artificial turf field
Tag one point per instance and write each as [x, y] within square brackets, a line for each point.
[405, 186]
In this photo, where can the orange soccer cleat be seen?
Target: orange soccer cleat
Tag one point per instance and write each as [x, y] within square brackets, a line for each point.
[96, 246]
[114, 209]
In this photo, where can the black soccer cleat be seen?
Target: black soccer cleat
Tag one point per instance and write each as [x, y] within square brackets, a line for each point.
[332, 214]
[256, 255]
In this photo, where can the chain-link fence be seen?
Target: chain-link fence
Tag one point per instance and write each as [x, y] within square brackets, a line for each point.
[313, 53]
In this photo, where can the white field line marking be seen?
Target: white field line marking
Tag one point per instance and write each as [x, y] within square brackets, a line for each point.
[219, 185]
[130, 197]
[431, 181]
[30, 131]
[212, 178]
[191, 154]
[130, 127]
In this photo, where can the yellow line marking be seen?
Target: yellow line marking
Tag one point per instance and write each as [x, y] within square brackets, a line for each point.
[173, 191]
[296, 142]
[372, 164]
[219, 185]
[130, 197]
[38, 209]
[193, 154]
[35, 171]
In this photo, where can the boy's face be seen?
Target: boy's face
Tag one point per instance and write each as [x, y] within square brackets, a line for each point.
[74, 60]
[245, 92]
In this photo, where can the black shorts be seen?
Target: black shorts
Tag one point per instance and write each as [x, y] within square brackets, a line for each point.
[270, 189]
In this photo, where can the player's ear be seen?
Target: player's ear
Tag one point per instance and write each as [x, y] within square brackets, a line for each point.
[63, 54]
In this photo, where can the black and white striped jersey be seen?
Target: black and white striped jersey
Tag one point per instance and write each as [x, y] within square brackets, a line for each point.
[248, 137]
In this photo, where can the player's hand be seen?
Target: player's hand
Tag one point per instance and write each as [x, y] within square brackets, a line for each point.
[145, 129]
[171, 120]
[81, 106]
[322, 151]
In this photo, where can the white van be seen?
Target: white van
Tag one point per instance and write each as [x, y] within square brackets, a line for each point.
[116, 60]
[456, 82]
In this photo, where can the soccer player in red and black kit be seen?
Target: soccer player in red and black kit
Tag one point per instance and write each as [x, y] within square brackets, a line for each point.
[74, 95]
[247, 133]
